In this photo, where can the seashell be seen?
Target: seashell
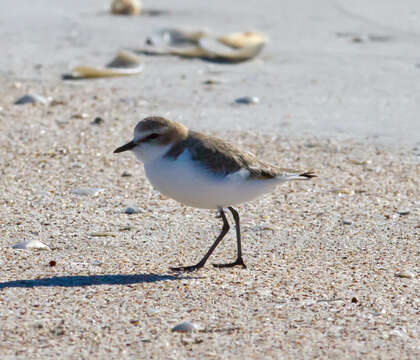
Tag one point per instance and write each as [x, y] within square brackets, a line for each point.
[234, 47]
[247, 100]
[175, 37]
[125, 7]
[404, 275]
[124, 64]
[217, 50]
[184, 327]
[240, 40]
[87, 191]
[31, 99]
[131, 210]
[31, 244]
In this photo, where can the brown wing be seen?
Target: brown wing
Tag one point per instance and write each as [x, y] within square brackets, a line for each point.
[221, 157]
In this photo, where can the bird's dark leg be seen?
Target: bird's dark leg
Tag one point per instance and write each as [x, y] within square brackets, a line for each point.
[200, 264]
[239, 260]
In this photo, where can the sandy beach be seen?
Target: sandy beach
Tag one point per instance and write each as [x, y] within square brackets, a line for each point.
[333, 264]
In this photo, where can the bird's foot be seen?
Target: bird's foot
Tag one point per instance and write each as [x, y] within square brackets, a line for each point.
[187, 268]
[238, 262]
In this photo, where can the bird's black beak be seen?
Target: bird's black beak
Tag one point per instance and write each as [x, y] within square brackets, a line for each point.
[125, 147]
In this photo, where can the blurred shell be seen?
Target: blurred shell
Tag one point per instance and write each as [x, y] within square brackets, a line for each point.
[31, 99]
[243, 39]
[175, 37]
[87, 191]
[215, 49]
[125, 7]
[184, 327]
[124, 64]
[233, 47]
[31, 244]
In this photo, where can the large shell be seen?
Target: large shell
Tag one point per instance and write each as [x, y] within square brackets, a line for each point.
[215, 49]
[234, 47]
[243, 39]
[124, 64]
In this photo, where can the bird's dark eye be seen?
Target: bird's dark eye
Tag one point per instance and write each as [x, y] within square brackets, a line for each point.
[151, 136]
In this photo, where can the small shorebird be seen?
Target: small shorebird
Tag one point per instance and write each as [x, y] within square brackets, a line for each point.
[204, 172]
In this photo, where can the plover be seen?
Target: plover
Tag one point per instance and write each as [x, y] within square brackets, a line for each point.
[204, 172]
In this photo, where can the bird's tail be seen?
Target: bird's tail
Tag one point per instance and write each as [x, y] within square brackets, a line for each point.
[307, 175]
[297, 175]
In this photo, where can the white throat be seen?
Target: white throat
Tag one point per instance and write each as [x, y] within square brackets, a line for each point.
[148, 152]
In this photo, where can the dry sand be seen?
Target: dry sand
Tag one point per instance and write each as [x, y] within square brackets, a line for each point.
[315, 286]
[333, 264]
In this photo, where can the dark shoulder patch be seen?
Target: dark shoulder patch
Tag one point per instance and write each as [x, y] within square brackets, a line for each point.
[176, 150]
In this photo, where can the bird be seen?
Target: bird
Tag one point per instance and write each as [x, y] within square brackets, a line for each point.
[204, 172]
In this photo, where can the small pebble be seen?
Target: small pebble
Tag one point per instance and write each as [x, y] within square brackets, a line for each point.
[57, 102]
[131, 210]
[212, 82]
[184, 327]
[87, 191]
[247, 100]
[31, 244]
[98, 121]
[79, 116]
[126, 7]
[404, 275]
[30, 99]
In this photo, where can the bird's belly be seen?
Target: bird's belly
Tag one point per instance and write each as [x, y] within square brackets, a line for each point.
[184, 181]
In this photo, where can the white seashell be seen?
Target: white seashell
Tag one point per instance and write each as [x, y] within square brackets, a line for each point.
[31, 244]
[30, 99]
[87, 191]
[184, 327]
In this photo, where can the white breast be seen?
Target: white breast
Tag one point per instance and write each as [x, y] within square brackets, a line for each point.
[185, 181]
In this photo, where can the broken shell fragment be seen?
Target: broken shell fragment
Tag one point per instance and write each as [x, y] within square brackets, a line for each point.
[124, 64]
[31, 244]
[125, 7]
[184, 327]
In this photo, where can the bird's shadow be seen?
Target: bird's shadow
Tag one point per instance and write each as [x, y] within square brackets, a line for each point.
[91, 280]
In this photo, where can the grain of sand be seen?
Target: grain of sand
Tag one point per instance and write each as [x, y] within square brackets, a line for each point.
[322, 256]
